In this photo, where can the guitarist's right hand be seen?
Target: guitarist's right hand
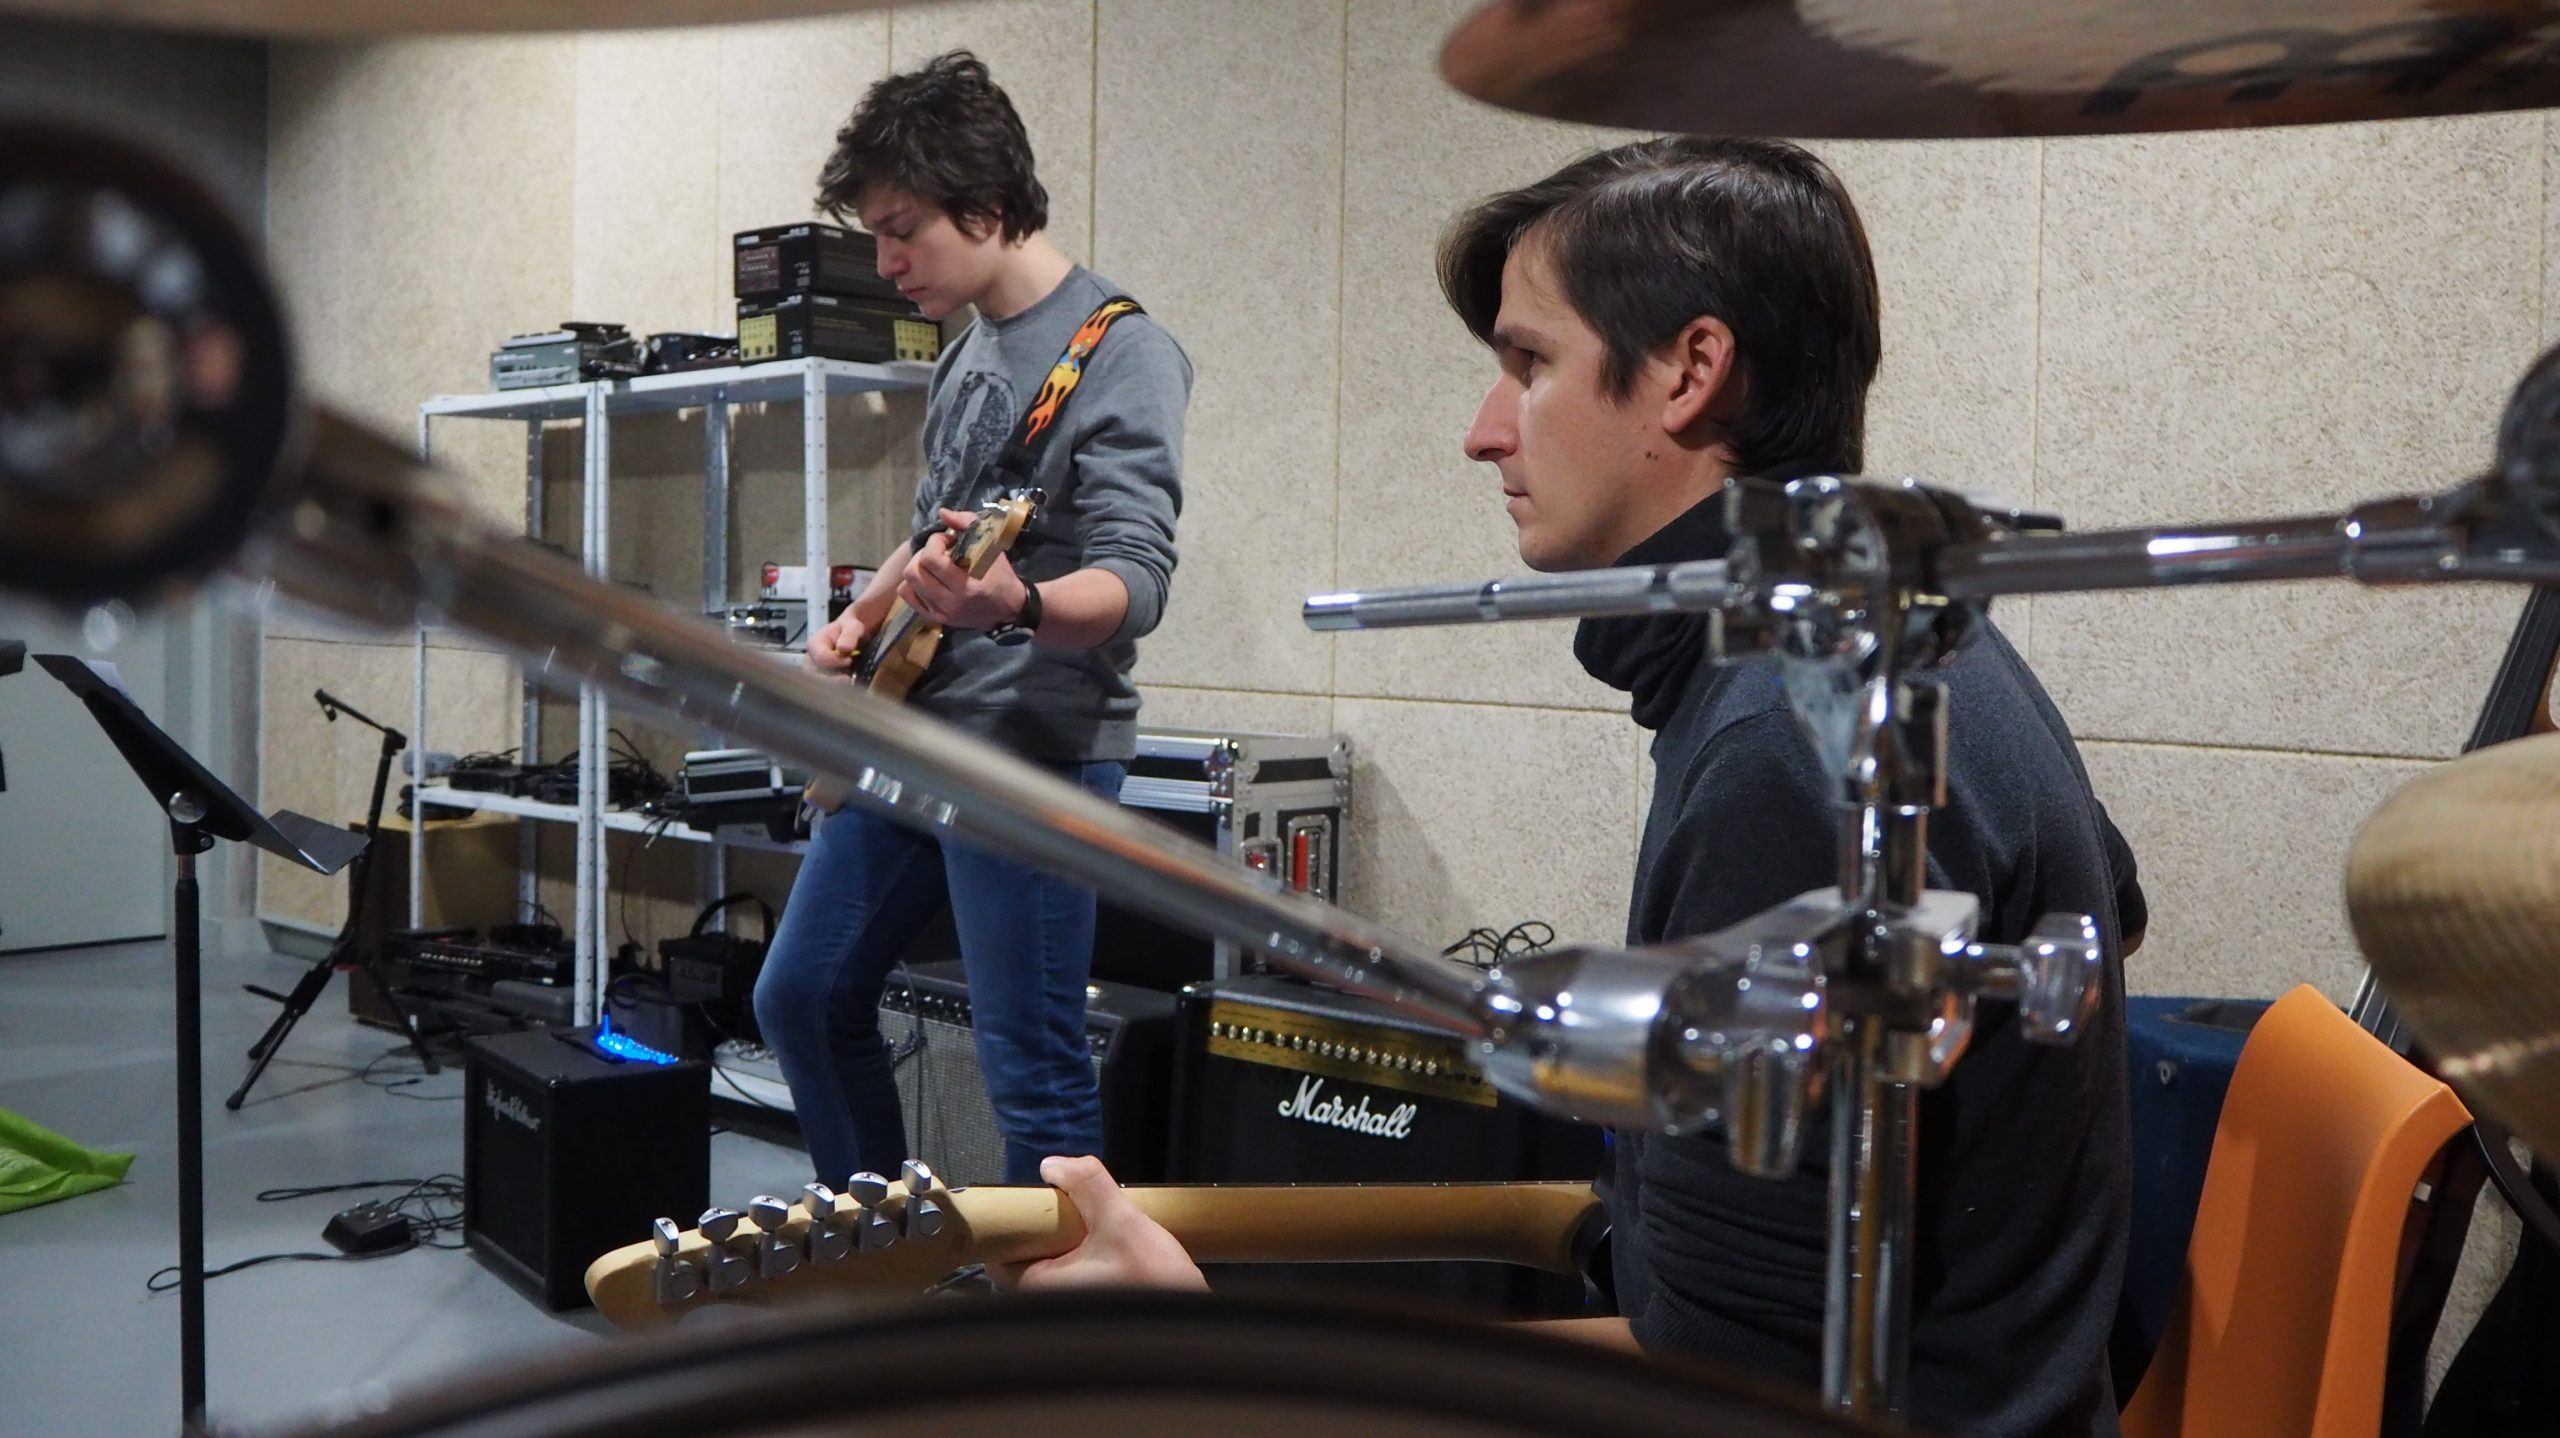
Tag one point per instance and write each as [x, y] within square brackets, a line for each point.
[832, 647]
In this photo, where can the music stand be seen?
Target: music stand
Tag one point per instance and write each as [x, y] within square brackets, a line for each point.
[201, 809]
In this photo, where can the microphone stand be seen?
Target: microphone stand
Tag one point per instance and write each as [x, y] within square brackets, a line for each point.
[348, 950]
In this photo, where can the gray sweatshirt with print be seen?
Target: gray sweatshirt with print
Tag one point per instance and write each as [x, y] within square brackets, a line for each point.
[1112, 480]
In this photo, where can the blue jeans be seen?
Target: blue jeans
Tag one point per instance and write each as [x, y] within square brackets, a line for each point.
[867, 887]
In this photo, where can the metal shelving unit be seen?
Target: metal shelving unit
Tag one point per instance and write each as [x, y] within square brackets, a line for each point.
[594, 404]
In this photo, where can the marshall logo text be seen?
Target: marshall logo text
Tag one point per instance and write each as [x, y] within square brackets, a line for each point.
[1359, 1118]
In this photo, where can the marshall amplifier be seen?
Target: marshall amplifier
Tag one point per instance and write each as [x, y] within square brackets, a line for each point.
[1280, 802]
[1280, 1081]
[567, 1154]
[925, 1017]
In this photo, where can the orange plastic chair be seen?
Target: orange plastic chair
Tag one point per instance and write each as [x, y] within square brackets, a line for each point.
[2283, 1324]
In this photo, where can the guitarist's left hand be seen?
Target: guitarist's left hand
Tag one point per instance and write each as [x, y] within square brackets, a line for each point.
[939, 589]
[1122, 1247]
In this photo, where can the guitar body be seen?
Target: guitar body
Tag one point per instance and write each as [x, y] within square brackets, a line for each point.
[898, 671]
[891, 663]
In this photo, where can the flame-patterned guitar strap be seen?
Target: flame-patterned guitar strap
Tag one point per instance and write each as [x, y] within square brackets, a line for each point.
[1020, 458]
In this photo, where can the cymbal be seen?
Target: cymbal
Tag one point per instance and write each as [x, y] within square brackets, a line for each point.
[2454, 890]
[314, 19]
[1921, 69]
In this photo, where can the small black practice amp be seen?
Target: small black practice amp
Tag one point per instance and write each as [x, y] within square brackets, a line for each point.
[1279, 1081]
[567, 1154]
[717, 970]
[1128, 1030]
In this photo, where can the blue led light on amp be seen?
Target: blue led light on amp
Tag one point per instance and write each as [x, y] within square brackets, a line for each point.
[624, 1046]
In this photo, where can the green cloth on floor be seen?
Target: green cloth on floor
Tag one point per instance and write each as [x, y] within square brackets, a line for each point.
[38, 1165]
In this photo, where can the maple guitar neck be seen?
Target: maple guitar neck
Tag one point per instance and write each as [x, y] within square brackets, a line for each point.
[1535, 1225]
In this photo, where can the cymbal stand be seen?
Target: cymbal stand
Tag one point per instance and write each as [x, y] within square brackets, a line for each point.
[1862, 993]
[1887, 997]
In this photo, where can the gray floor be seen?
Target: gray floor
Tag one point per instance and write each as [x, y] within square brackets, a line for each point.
[86, 1049]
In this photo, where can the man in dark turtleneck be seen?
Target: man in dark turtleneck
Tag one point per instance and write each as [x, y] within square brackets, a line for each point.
[1667, 316]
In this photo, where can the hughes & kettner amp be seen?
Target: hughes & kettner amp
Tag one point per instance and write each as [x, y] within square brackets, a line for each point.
[567, 1153]
[1281, 1081]
[1280, 802]
[943, 1091]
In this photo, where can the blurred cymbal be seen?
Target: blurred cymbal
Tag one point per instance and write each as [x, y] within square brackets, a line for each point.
[2454, 889]
[324, 18]
[1918, 69]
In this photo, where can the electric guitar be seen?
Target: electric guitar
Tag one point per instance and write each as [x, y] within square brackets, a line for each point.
[891, 661]
[895, 1238]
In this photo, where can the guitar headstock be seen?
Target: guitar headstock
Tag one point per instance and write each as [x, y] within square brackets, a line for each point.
[998, 524]
[894, 1236]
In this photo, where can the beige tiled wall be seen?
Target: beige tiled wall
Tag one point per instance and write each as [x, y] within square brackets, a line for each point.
[2148, 331]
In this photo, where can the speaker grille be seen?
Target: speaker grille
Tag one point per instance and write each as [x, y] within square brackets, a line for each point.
[943, 1092]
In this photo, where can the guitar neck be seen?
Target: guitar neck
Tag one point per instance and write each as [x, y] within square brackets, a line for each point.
[1530, 1224]
[1534, 1225]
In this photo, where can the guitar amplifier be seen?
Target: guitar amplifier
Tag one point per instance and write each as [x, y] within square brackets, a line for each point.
[1281, 1081]
[567, 1154]
[1280, 802]
[943, 1092]
[808, 258]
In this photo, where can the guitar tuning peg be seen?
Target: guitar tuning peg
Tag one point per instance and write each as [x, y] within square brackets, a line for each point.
[868, 1189]
[922, 1218]
[729, 1268]
[776, 1254]
[828, 1240]
[874, 1230]
[769, 1212]
[718, 1223]
[677, 1283]
[919, 1177]
[673, 1279]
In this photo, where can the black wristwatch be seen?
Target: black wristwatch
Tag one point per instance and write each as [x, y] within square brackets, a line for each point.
[1017, 630]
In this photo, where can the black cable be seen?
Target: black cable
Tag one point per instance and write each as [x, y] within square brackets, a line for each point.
[433, 1205]
[1484, 949]
[916, 1137]
[365, 1076]
[155, 1285]
[622, 891]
